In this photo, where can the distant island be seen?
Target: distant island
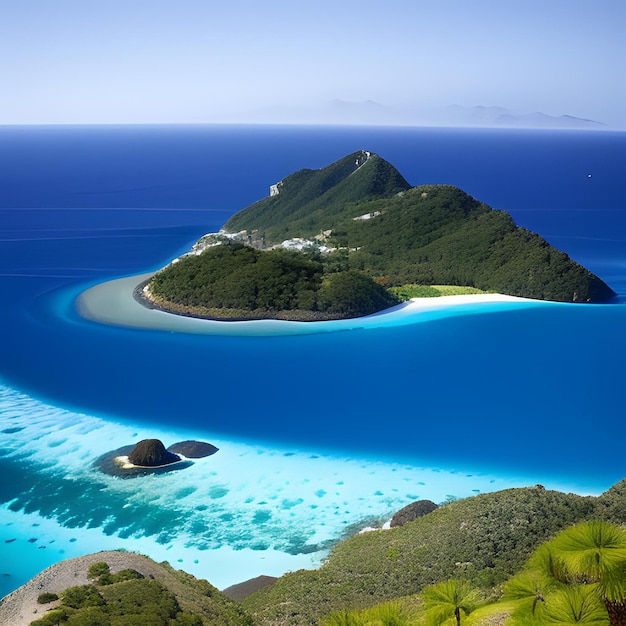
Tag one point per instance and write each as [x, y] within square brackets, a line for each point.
[370, 112]
[354, 238]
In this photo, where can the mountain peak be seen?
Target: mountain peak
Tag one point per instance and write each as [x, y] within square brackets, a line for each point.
[359, 176]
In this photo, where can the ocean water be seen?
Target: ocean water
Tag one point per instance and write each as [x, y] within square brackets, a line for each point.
[319, 434]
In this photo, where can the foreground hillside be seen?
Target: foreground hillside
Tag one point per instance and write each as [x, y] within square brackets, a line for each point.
[186, 600]
[482, 541]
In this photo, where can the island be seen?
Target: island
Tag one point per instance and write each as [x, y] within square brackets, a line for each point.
[150, 456]
[354, 238]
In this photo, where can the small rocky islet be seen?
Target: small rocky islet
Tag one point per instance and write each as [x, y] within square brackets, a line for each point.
[150, 456]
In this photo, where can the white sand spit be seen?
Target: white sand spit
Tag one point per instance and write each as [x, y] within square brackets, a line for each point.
[112, 302]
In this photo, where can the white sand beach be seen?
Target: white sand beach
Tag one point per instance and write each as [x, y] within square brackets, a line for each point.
[112, 302]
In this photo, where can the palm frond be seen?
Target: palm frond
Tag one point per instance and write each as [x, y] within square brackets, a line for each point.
[575, 605]
[444, 598]
[594, 551]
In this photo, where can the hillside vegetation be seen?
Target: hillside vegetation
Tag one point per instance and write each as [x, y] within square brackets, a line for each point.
[487, 552]
[367, 241]
[237, 281]
[309, 201]
[117, 588]
[433, 234]
[484, 540]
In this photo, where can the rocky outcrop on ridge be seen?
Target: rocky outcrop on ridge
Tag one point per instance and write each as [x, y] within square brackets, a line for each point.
[412, 511]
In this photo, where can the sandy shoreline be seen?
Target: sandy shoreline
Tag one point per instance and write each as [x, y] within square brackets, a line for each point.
[114, 302]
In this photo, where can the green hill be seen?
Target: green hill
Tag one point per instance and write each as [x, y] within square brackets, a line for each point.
[117, 588]
[433, 234]
[308, 200]
[484, 540]
[364, 238]
[236, 281]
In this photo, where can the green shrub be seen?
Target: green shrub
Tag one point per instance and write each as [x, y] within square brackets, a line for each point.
[121, 576]
[81, 597]
[98, 569]
[90, 616]
[53, 618]
[45, 598]
[141, 597]
[186, 619]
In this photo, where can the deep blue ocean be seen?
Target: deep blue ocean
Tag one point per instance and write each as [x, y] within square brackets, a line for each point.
[514, 392]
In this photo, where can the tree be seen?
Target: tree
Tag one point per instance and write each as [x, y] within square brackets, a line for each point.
[448, 598]
[575, 605]
[90, 616]
[530, 589]
[97, 569]
[353, 294]
[594, 552]
[591, 557]
[53, 618]
[82, 596]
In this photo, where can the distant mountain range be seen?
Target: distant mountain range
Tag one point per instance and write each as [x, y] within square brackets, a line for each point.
[499, 116]
[369, 112]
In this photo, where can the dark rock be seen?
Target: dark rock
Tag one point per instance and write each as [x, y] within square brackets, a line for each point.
[193, 449]
[151, 453]
[412, 512]
[110, 464]
[244, 589]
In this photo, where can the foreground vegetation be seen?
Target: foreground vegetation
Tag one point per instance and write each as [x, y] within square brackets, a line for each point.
[483, 540]
[520, 557]
[578, 577]
[128, 598]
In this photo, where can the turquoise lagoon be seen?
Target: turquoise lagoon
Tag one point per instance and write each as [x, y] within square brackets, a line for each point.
[321, 434]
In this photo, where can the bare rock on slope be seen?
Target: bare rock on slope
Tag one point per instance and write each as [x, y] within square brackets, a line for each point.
[412, 511]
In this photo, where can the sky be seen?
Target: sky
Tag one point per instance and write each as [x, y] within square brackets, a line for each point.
[202, 61]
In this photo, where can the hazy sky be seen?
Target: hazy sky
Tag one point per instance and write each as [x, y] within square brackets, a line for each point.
[132, 61]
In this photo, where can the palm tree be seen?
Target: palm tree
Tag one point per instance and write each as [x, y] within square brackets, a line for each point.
[530, 589]
[386, 614]
[574, 605]
[594, 553]
[448, 598]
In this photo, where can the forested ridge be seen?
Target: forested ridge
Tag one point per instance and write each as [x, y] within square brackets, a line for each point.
[366, 235]
[431, 234]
